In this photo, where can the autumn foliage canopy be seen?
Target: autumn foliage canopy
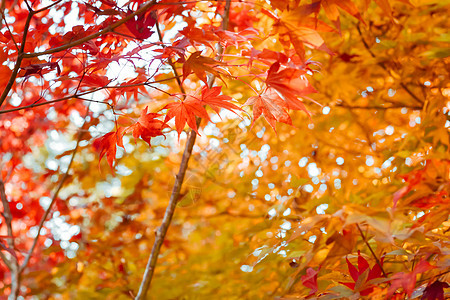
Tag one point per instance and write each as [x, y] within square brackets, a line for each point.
[166, 149]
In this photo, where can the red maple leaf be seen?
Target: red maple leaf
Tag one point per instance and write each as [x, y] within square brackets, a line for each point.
[212, 97]
[140, 25]
[283, 92]
[147, 126]
[39, 69]
[408, 280]
[185, 112]
[199, 35]
[291, 84]
[176, 48]
[310, 280]
[106, 145]
[194, 106]
[363, 268]
[435, 291]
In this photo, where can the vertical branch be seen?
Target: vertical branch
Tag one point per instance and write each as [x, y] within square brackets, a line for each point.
[12, 264]
[7, 215]
[20, 57]
[162, 230]
[2, 12]
[55, 196]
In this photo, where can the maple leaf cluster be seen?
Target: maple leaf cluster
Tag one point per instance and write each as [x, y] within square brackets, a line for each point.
[361, 168]
[148, 126]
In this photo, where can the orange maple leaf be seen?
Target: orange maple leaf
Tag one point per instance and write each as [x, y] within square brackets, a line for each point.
[295, 28]
[271, 106]
[185, 112]
[200, 65]
[291, 84]
[331, 10]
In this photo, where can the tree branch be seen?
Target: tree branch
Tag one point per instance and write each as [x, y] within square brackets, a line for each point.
[378, 107]
[78, 96]
[109, 28]
[371, 250]
[13, 265]
[162, 230]
[7, 215]
[6, 261]
[21, 55]
[55, 195]
[382, 65]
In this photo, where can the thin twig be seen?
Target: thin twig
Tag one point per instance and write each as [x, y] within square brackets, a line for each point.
[20, 57]
[21, 54]
[108, 29]
[371, 250]
[162, 230]
[2, 12]
[174, 69]
[55, 196]
[382, 65]
[7, 215]
[378, 107]
[78, 96]
[13, 265]
[47, 7]
[10, 31]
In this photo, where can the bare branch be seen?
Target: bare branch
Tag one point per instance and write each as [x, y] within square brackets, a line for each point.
[47, 7]
[55, 196]
[7, 215]
[6, 261]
